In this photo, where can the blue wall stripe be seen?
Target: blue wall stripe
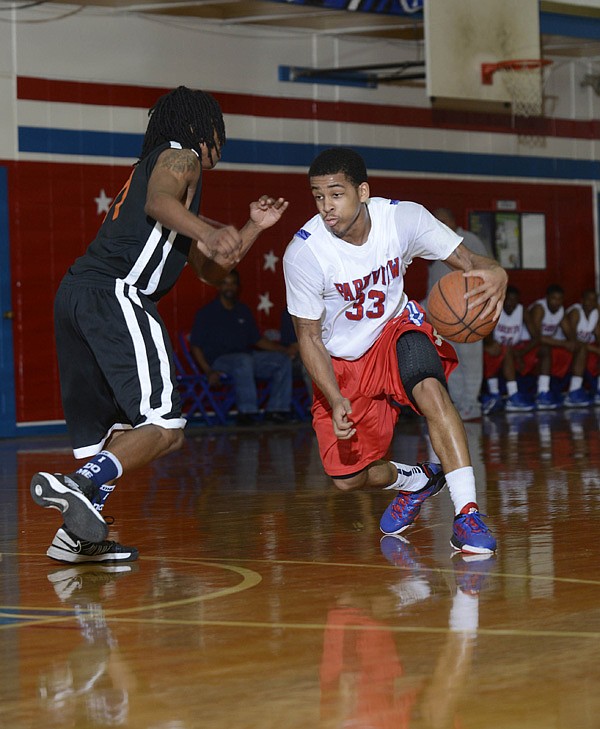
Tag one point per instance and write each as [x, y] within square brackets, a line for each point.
[69, 141]
[410, 160]
[292, 154]
[574, 26]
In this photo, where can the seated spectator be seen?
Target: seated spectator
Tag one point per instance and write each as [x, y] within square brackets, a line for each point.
[225, 339]
[508, 351]
[290, 342]
[558, 350]
[584, 319]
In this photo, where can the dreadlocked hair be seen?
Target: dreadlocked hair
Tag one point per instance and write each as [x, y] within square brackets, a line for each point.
[186, 116]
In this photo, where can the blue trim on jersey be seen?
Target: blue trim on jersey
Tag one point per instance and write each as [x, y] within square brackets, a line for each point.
[294, 154]
[415, 314]
[304, 234]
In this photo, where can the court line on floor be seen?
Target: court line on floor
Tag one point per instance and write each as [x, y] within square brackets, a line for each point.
[440, 570]
[20, 616]
[493, 632]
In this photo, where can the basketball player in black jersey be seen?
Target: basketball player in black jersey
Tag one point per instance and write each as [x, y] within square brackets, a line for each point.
[118, 385]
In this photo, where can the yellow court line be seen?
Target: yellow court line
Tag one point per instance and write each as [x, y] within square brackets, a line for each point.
[408, 629]
[359, 565]
[514, 632]
[435, 570]
[250, 579]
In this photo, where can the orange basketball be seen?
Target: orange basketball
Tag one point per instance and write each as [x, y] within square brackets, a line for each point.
[447, 310]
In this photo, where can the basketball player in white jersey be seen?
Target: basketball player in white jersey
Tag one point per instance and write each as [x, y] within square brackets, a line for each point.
[558, 350]
[505, 353]
[368, 347]
[584, 319]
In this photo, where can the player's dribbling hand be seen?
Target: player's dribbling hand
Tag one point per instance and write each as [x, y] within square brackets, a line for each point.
[492, 290]
[343, 427]
[266, 211]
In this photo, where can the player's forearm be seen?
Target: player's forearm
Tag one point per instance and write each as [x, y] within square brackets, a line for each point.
[317, 362]
[464, 259]
[249, 233]
[171, 214]
[214, 271]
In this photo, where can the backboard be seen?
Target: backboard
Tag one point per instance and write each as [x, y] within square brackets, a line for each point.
[461, 35]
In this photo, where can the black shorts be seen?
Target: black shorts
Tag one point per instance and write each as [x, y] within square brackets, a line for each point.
[115, 363]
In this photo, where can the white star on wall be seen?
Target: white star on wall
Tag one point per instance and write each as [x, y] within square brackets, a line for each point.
[265, 303]
[270, 261]
[102, 202]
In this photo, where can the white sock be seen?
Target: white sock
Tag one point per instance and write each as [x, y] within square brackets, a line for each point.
[461, 485]
[512, 388]
[494, 386]
[576, 383]
[411, 590]
[464, 615]
[543, 383]
[410, 478]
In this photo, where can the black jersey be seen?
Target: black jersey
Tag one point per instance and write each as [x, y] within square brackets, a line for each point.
[132, 247]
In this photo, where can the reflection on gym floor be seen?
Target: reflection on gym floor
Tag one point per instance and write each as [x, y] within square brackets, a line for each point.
[263, 597]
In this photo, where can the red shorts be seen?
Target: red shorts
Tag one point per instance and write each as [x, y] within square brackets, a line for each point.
[371, 383]
[592, 364]
[561, 361]
[492, 364]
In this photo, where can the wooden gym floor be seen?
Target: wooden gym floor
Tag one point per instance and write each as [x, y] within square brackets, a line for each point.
[263, 598]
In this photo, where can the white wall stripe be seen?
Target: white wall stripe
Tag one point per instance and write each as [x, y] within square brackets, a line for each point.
[303, 131]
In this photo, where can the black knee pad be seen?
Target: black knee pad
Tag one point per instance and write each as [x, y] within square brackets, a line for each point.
[418, 360]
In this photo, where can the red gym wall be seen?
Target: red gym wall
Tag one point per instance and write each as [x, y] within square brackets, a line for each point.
[53, 217]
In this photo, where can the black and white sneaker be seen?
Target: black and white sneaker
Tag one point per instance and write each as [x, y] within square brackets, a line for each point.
[66, 547]
[72, 496]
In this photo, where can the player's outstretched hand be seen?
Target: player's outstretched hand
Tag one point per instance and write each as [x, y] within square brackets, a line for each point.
[222, 245]
[343, 427]
[492, 290]
[266, 211]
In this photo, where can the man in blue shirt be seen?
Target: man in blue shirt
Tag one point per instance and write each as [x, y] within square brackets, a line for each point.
[225, 339]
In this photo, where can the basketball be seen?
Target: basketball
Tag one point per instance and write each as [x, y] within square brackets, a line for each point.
[447, 310]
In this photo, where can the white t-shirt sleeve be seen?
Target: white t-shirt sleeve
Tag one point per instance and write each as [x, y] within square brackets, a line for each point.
[304, 281]
[430, 238]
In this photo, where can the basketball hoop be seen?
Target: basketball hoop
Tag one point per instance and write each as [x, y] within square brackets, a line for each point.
[523, 81]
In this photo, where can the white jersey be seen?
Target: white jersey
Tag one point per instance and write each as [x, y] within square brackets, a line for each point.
[509, 329]
[550, 320]
[586, 325]
[356, 290]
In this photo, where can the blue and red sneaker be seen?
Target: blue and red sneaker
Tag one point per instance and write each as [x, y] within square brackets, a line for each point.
[400, 552]
[472, 570]
[405, 508]
[470, 534]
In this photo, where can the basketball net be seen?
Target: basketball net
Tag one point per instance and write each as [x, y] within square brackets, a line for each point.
[523, 80]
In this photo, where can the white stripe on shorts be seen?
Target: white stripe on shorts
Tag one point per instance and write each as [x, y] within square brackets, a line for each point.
[165, 368]
[141, 355]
